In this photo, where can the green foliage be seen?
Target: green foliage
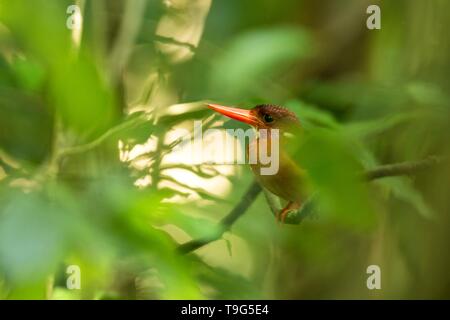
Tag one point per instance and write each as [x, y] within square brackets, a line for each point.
[82, 99]
[261, 54]
[92, 173]
[326, 156]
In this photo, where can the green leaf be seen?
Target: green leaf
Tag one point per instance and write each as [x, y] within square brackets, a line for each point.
[311, 116]
[403, 189]
[33, 237]
[400, 187]
[255, 55]
[30, 74]
[334, 172]
[75, 84]
[363, 129]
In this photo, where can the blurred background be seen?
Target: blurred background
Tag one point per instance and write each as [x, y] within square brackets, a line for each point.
[94, 170]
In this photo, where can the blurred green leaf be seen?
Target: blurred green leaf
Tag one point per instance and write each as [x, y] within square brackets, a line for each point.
[76, 87]
[335, 173]
[33, 237]
[399, 187]
[310, 116]
[256, 55]
[29, 74]
[403, 189]
[6, 74]
[363, 129]
[26, 125]
[427, 94]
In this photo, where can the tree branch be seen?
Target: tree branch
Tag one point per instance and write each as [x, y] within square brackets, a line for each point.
[403, 168]
[390, 170]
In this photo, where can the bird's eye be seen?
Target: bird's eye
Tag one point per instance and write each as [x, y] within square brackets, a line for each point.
[267, 118]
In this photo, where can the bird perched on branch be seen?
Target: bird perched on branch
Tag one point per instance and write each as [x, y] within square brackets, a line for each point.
[288, 181]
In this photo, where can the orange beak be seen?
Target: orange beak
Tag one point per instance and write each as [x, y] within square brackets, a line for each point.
[242, 115]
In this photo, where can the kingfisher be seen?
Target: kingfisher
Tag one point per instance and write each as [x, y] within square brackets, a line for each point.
[289, 182]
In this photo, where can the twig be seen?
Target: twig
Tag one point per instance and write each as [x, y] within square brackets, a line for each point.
[69, 151]
[200, 191]
[403, 168]
[169, 40]
[391, 170]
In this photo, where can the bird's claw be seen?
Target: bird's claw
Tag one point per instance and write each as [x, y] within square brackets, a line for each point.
[283, 214]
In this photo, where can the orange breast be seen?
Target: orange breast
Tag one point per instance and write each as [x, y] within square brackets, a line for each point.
[287, 183]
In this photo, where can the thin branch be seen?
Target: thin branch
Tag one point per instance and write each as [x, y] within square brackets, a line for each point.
[200, 191]
[403, 168]
[69, 151]
[169, 40]
[391, 170]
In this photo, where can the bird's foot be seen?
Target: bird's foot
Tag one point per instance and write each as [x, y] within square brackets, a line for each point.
[284, 213]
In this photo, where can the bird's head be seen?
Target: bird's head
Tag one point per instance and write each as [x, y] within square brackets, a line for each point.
[264, 116]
